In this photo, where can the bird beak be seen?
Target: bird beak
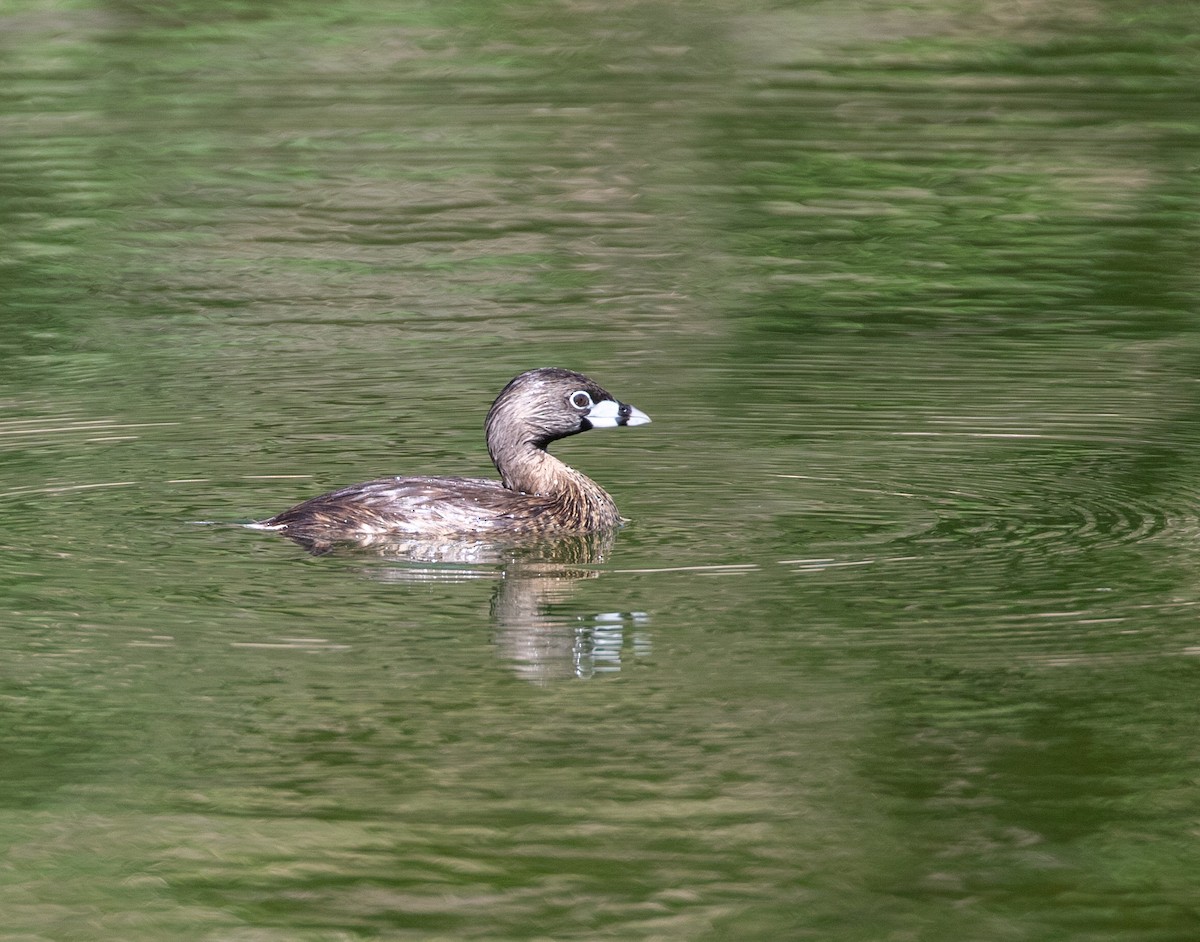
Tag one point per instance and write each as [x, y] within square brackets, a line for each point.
[608, 413]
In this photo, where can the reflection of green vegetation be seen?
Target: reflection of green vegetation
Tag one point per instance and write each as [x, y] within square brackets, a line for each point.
[962, 179]
[914, 312]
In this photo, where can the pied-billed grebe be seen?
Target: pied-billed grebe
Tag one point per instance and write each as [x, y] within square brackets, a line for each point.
[537, 493]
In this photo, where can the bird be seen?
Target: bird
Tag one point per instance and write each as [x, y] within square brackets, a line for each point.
[537, 494]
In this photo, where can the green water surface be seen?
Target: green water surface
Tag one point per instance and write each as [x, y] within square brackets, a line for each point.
[902, 641]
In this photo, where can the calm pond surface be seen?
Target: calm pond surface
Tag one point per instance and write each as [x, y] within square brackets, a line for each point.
[903, 641]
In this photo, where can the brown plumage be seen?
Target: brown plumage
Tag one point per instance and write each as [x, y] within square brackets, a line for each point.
[537, 493]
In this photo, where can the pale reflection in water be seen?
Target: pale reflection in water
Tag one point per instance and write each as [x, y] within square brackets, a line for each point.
[544, 644]
[535, 579]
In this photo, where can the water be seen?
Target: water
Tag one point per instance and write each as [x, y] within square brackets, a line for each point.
[901, 642]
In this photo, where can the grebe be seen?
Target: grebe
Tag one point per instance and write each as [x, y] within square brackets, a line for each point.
[537, 494]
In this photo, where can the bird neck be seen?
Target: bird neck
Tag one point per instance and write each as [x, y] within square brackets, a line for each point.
[528, 469]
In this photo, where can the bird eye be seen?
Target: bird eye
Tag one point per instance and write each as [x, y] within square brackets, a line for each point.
[580, 400]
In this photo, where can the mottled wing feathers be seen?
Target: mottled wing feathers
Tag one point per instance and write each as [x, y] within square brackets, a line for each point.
[407, 506]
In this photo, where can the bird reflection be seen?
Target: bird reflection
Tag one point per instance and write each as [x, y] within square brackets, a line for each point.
[534, 629]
